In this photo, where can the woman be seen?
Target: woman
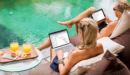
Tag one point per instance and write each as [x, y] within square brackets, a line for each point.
[87, 33]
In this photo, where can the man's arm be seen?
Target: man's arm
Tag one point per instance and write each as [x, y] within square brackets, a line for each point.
[108, 30]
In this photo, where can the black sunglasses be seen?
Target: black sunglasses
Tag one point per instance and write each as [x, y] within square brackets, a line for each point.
[115, 9]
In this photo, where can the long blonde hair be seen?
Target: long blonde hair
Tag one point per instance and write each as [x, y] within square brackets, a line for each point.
[123, 5]
[89, 29]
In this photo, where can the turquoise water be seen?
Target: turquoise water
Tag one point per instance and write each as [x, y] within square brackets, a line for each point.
[31, 20]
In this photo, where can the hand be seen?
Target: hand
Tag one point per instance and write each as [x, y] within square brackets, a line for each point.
[60, 54]
[107, 18]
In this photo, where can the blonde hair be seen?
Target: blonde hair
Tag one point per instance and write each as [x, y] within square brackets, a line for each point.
[89, 29]
[123, 5]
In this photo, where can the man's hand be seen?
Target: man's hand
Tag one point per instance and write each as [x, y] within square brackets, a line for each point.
[60, 54]
[107, 19]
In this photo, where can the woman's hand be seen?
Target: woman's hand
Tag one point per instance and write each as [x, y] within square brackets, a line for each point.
[60, 54]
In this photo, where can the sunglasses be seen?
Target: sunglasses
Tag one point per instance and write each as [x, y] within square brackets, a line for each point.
[115, 9]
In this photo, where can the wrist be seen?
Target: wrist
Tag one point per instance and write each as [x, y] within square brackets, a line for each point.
[108, 20]
[60, 57]
[61, 61]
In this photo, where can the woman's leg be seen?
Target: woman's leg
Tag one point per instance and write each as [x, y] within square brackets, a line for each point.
[46, 44]
[52, 54]
[69, 24]
[84, 14]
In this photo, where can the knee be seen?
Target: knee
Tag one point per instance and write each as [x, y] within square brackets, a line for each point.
[51, 49]
[92, 9]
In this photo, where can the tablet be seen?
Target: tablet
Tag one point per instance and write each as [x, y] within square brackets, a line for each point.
[98, 15]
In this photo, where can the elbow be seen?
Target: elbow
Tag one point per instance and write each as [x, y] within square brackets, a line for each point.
[61, 73]
[91, 9]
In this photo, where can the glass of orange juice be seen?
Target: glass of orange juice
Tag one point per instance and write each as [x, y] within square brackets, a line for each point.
[14, 46]
[26, 48]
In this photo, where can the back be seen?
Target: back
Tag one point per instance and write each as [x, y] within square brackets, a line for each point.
[79, 55]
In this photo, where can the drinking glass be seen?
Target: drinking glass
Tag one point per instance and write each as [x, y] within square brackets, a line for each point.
[26, 48]
[14, 46]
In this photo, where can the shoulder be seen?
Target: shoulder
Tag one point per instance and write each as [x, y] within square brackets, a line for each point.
[79, 54]
[75, 57]
[97, 50]
[75, 53]
[100, 47]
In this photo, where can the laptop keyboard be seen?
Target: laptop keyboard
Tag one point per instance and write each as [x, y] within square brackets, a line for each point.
[65, 48]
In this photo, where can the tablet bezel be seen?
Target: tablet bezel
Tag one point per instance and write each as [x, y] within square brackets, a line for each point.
[58, 32]
[97, 11]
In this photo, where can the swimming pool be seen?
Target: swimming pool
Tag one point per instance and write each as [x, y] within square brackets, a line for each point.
[31, 20]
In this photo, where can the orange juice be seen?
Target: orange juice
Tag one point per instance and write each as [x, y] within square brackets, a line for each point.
[14, 47]
[26, 48]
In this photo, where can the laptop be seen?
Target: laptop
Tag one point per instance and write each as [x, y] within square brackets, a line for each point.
[98, 15]
[60, 40]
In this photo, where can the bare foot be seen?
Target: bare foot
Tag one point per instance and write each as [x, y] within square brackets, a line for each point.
[45, 62]
[67, 23]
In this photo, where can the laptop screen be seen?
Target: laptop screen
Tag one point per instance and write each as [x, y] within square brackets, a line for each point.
[59, 38]
[98, 15]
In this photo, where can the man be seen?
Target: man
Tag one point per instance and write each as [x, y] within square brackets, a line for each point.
[105, 30]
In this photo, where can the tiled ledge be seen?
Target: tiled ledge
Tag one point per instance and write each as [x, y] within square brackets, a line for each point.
[46, 54]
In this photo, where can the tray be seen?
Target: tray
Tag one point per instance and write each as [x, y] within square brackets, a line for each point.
[33, 54]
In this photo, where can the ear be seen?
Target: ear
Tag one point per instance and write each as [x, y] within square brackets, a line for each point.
[119, 13]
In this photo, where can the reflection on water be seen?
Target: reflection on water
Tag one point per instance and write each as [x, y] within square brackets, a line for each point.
[32, 20]
[7, 36]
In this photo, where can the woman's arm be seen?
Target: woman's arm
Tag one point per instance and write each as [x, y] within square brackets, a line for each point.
[64, 69]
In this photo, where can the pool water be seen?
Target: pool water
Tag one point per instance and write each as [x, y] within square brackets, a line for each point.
[31, 20]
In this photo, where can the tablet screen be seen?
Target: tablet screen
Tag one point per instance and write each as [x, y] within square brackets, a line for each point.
[98, 15]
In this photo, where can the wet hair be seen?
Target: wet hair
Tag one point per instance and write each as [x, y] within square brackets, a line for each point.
[123, 5]
[89, 29]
